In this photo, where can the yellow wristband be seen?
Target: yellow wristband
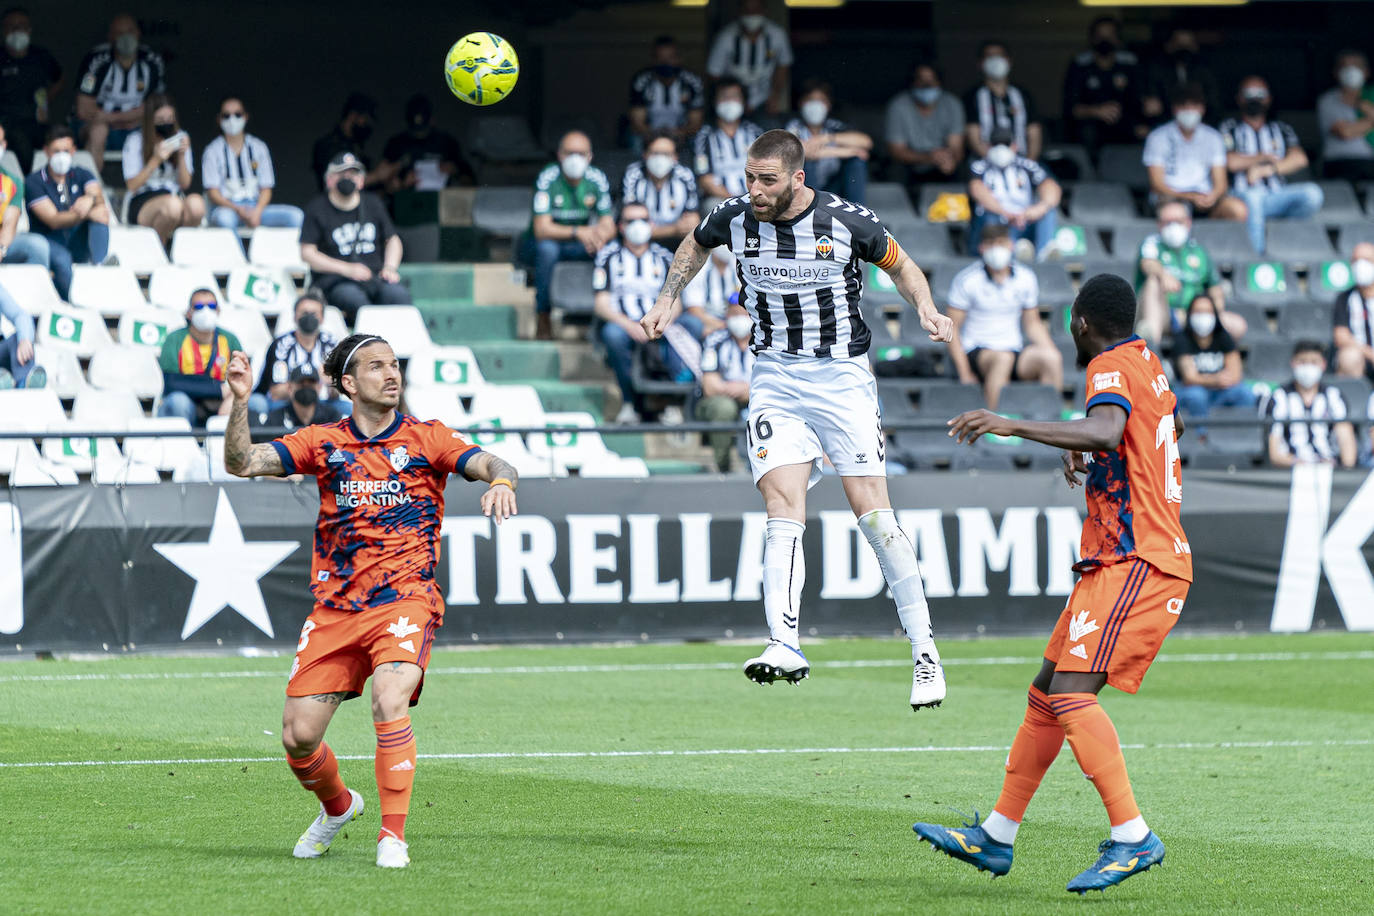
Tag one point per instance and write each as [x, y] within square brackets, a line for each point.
[500, 480]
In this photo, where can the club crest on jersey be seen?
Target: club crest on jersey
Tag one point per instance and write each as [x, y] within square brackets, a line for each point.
[825, 248]
[399, 458]
[762, 452]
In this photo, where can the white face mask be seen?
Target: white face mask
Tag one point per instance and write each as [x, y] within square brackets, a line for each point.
[659, 164]
[1363, 272]
[729, 110]
[996, 68]
[997, 257]
[575, 165]
[638, 232]
[739, 326]
[1203, 323]
[1307, 375]
[1175, 235]
[927, 95]
[1351, 76]
[1001, 156]
[1188, 118]
[204, 319]
[814, 111]
[753, 22]
[60, 162]
[18, 42]
[232, 125]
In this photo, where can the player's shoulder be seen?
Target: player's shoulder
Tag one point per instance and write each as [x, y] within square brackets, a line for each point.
[728, 209]
[857, 218]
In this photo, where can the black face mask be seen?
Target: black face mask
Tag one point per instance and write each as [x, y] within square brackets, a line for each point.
[346, 186]
[1253, 108]
[1104, 46]
[666, 71]
[308, 323]
[306, 397]
[165, 130]
[361, 132]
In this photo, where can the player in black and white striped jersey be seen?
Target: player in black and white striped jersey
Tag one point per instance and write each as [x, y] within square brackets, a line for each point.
[812, 394]
[1309, 423]
[664, 185]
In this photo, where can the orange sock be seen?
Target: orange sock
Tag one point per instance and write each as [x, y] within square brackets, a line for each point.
[1037, 743]
[1098, 750]
[319, 773]
[395, 768]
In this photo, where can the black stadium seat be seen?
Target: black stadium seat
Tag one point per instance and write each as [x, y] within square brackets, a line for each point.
[1355, 393]
[1120, 267]
[1305, 321]
[1126, 238]
[1226, 241]
[1297, 242]
[1268, 359]
[1267, 284]
[503, 212]
[1340, 203]
[931, 192]
[939, 286]
[1055, 288]
[1123, 164]
[924, 242]
[1097, 203]
[1255, 319]
[889, 200]
[1352, 233]
[571, 287]
[1031, 401]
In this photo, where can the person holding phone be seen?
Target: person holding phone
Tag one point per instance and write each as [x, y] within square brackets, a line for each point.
[157, 170]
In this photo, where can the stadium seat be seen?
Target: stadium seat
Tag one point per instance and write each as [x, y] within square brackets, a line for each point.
[1055, 288]
[276, 246]
[1099, 203]
[434, 403]
[63, 368]
[1126, 238]
[504, 212]
[248, 326]
[80, 453]
[1074, 244]
[1240, 444]
[1119, 267]
[889, 200]
[1268, 359]
[1123, 164]
[80, 330]
[194, 467]
[505, 138]
[109, 290]
[165, 453]
[215, 248]
[1339, 203]
[10, 163]
[1256, 319]
[96, 410]
[403, 326]
[172, 285]
[926, 398]
[269, 290]
[620, 466]
[27, 410]
[148, 326]
[1297, 241]
[879, 325]
[645, 380]
[571, 287]
[214, 451]
[1327, 279]
[1305, 321]
[939, 285]
[137, 248]
[1351, 234]
[514, 405]
[615, 162]
[572, 450]
[1068, 162]
[1227, 242]
[1268, 284]
[1355, 393]
[1031, 401]
[924, 242]
[120, 471]
[31, 286]
[931, 192]
[28, 468]
[127, 367]
[452, 369]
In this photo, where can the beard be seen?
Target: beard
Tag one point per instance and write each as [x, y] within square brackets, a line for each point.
[778, 208]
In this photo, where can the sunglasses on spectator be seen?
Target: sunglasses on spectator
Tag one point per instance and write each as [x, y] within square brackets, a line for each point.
[204, 305]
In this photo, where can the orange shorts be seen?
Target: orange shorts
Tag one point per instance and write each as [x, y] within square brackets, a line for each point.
[1115, 622]
[339, 650]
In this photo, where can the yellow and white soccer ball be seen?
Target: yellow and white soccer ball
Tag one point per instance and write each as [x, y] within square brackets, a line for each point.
[481, 68]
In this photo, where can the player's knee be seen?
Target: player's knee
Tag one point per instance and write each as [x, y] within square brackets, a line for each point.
[298, 741]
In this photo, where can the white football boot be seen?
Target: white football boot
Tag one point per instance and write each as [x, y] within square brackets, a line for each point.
[392, 853]
[777, 660]
[317, 837]
[927, 682]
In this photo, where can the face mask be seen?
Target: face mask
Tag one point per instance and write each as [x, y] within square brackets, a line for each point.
[306, 397]
[18, 42]
[232, 125]
[361, 132]
[164, 130]
[419, 124]
[659, 164]
[1307, 375]
[997, 257]
[308, 323]
[1001, 156]
[204, 319]
[814, 111]
[739, 326]
[996, 68]
[752, 23]
[1203, 323]
[1254, 108]
[126, 44]
[575, 165]
[638, 232]
[346, 186]
[1104, 46]
[730, 110]
[1175, 235]
[666, 71]
[60, 162]
[1351, 77]
[927, 95]
[1188, 118]
[1363, 272]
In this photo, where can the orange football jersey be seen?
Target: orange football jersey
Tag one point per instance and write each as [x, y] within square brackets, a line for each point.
[1135, 491]
[381, 507]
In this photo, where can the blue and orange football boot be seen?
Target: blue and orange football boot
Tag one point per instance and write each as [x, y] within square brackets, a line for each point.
[1117, 862]
[970, 844]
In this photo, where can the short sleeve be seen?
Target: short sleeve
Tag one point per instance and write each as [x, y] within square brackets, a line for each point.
[1030, 291]
[448, 452]
[958, 294]
[603, 194]
[954, 113]
[87, 82]
[971, 107]
[1213, 275]
[546, 178]
[159, 73]
[1149, 248]
[601, 276]
[689, 182]
[1028, 100]
[696, 97]
[167, 358]
[133, 155]
[978, 168]
[710, 354]
[785, 58]
[1340, 315]
[1290, 136]
[299, 451]
[385, 227]
[1036, 172]
[872, 242]
[311, 228]
[1336, 404]
[714, 230]
[1227, 129]
[1155, 148]
[34, 191]
[637, 85]
[1222, 339]
[1218, 151]
[1107, 385]
[1276, 406]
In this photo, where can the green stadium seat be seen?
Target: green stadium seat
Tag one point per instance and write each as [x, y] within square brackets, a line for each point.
[1268, 284]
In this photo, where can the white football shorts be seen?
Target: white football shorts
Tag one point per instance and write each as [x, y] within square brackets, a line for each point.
[804, 408]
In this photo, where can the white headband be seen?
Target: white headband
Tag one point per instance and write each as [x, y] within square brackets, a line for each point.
[356, 348]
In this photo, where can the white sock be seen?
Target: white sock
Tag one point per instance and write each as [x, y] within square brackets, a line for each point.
[1133, 831]
[784, 572]
[897, 558]
[1001, 828]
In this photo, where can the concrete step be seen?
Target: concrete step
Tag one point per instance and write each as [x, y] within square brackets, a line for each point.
[510, 361]
[560, 396]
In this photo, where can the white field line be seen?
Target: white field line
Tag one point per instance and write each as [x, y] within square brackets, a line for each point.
[709, 752]
[470, 670]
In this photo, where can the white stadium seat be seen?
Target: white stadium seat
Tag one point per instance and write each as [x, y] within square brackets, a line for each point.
[214, 247]
[127, 367]
[80, 330]
[248, 326]
[111, 291]
[166, 453]
[105, 411]
[63, 368]
[453, 369]
[30, 469]
[79, 453]
[269, 290]
[616, 466]
[440, 404]
[171, 286]
[149, 327]
[121, 471]
[403, 326]
[570, 449]
[275, 246]
[27, 410]
[31, 286]
[514, 405]
[137, 248]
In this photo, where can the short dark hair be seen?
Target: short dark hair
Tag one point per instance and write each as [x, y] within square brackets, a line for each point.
[726, 82]
[817, 85]
[661, 41]
[358, 103]
[15, 9]
[1309, 346]
[203, 290]
[995, 232]
[310, 295]
[932, 65]
[58, 132]
[779, 144]
[1107, 302]
[661, 134]
[236, 98]
[1104, 20]
[1186, 93]
[992, 43]
[631, 203]
[340, 360]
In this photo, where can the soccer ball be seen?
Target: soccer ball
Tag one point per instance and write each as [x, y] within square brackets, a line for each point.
[481, 68]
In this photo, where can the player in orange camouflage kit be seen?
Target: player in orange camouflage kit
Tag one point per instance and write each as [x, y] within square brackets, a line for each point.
[1135, 573]
[381, 477]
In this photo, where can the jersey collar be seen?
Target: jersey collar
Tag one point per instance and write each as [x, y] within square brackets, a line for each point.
[1122, 343]
[815, 196]
[357, 433]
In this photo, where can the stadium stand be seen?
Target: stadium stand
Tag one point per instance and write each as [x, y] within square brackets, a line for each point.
[216, 249]
[276, 247]
[108, 290]
[402, 325]
[137, 248]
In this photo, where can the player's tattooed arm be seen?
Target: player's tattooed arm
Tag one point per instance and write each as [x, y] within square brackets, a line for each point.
[241, 457]
[686, 265]
[911, 282]
[498, 502]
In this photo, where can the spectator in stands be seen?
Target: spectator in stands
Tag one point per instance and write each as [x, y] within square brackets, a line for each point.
[422, 156]
[1308, 423]
[572, 218]
[1353, 318]
[1186, 160]
[304, 404]
[350, 244]
[1172, 269]
[629, 273]
[999, 336]
[1207, 363]
[997, 103]
[67, 208]
[17, 366]
[664, 185]
[158, 164]
[1260, 153]
[1103, 91]
[238, 175]
[1346, 115]
[16, 247]
[349, 135]
[757, 52]
[722, 146]
[1014, 191]
[709, 294]
[194, 360]
[836, 154]
[115, 80]
[925, 128]
[30, 78]
[727, 361]
[304, 345]
[665, 96]
[1180, 65]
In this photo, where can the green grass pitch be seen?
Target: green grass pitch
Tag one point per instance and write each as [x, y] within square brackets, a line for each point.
[631, 780]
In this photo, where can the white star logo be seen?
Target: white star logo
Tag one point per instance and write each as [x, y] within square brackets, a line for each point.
[226, 570]
[402, 628]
